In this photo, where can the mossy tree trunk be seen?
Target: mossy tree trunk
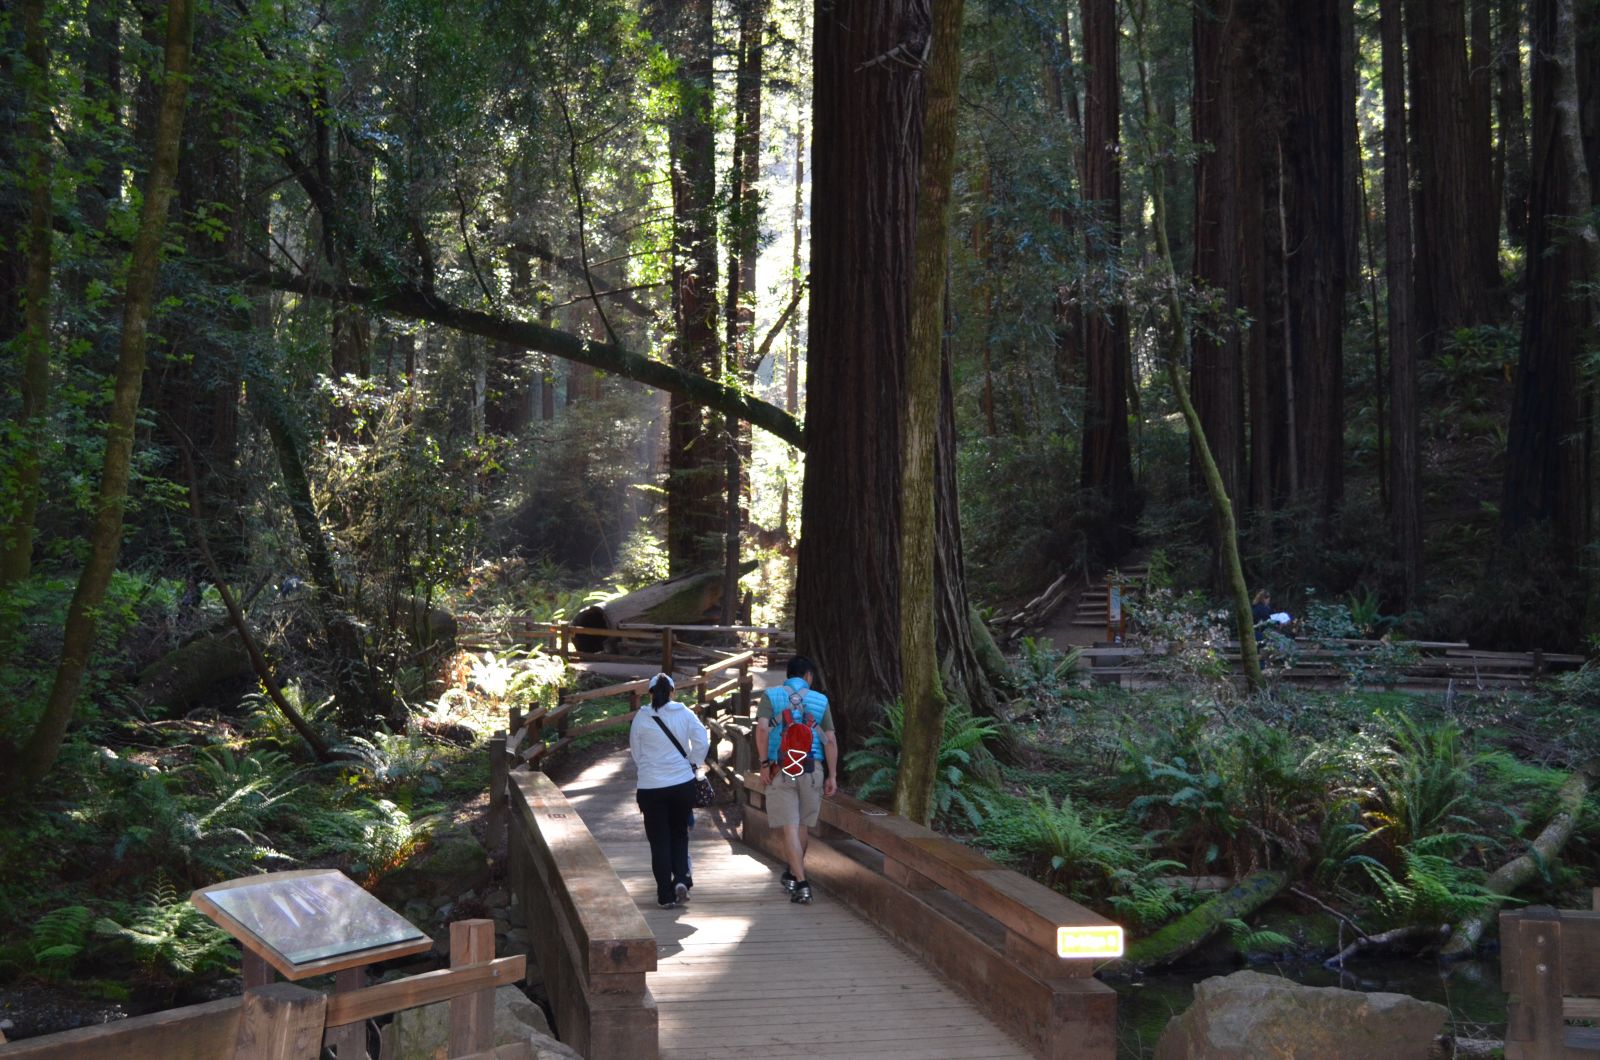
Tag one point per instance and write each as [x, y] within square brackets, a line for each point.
[921, 689]
[38, 754]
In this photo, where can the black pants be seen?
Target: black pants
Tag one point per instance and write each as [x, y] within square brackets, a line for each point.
[666, 824]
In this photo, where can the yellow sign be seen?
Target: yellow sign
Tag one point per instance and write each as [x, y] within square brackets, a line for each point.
[1097, 941]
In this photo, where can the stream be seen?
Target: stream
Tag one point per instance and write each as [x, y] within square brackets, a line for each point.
[1469, 989]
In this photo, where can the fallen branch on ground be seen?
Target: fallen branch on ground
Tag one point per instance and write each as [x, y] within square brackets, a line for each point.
[1388, 938]
[1187, 932]
[1519, 870]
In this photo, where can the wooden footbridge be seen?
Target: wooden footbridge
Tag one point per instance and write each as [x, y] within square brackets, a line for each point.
[915, 946]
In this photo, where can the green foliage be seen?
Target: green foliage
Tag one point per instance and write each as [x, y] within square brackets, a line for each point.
[1079, 851]
[166, 930]
[268, 724]
[1431, 887]
[1041, 672]
[964, 778]
[390, 760]
[1250, 940]
[58, 939]
[1422, 781]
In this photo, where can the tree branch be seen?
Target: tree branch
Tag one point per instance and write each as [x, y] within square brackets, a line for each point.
[416, 304]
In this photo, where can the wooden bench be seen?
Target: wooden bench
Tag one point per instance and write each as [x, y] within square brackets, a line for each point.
[592, 943]
[1550, 965]
[991, 931]
[282, 1021]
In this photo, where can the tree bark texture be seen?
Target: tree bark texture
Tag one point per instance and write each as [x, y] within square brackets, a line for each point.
[1484, 204]
[1107, 467]
[1316, 204]
[1216, 373]
[1513, 120]
[1544, 484]
[867, 130]
[921, 690]
[16, 559]
[1452, 279]
[866, 142]
[39, 753]
[696, 472]
[1405, 462]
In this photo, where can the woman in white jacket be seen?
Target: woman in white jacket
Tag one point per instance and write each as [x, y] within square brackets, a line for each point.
[668, 744]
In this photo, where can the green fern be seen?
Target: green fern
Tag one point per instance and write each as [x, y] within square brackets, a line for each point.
[1249, 940]
[167, 931]
[964, 780]
[58, 938]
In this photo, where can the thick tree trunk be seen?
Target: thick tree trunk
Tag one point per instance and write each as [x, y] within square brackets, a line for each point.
[1217, 375]
[694, 452]
[38, 755]
[1545, 481]
[16, 557]
[1405, 464]
[1316, 204]
[1107, 467]
[921, 690]
[1485, 202]
[867, 131]
[1452, 280]
[1513, 120]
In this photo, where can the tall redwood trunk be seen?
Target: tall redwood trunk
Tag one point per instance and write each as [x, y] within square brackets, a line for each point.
[1513, 121]
[1216, 372]
[1316, 204]
[1453, 281]
[1405, 464]
[1107, 467]
[867, 129]
[1484, 202]
[1545, 481]
[696, 474]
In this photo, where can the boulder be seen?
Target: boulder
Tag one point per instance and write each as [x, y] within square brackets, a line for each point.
[452, 862]
[424, 1033]
[1251, 1016]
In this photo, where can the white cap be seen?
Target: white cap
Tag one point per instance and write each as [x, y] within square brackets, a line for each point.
[658, 678]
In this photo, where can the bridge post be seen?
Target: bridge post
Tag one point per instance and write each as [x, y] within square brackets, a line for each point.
[497, 793]
[280, 1021]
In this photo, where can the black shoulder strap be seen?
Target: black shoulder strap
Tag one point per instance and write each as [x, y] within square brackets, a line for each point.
[657, 719]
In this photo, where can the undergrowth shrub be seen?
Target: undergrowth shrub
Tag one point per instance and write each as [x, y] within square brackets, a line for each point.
[964, 785]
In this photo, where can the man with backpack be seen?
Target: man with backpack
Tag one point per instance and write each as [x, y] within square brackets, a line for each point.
[794, 729]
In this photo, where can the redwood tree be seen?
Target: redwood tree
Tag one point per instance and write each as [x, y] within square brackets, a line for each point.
[1107, 466]
[867, 139]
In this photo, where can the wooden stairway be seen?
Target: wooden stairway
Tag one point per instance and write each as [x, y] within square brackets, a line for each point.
[1093, 601]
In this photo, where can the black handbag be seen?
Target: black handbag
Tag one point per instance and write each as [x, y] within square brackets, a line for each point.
[704, 793]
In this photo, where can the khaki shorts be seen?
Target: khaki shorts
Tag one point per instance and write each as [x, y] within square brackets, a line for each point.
[795, 800]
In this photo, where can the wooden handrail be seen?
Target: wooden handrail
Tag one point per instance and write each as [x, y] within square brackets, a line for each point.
[425, 989]
[1026, 907]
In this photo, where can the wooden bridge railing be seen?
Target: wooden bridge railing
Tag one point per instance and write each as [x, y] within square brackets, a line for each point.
[590, 939]
[676, 642]
[282, 1021]
[1550, 965]
[993, 932]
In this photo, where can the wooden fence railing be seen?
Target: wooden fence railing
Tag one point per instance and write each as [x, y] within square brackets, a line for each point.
[282, 1021]
[1416, 663]
[715, 701]
[676, 642]
[590, 939]
[993, 932]
[1550, 965]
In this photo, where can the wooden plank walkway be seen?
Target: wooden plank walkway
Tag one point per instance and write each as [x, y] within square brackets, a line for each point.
[743, 969]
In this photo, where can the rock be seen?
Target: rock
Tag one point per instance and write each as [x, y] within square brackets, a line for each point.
[520, 935]
[497, 898]
[424, 1033]
[502, 927]
[452, 863]
[1248, 1015]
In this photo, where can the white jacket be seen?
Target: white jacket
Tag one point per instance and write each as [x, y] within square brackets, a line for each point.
[659, 763]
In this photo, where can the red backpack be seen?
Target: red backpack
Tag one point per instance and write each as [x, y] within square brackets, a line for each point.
[794, 748]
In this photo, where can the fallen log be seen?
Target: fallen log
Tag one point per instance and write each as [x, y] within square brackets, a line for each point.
[1519, 870]
[1412, 933]
[681, 600]
[1186, 933]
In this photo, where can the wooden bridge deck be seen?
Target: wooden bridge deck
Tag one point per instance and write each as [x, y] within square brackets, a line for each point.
[742, 969]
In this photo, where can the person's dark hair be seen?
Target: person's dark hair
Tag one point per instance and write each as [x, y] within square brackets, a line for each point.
[799, 666]
[660, 691]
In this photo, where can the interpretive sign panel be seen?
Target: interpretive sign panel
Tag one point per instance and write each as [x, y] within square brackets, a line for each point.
[304, 923]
